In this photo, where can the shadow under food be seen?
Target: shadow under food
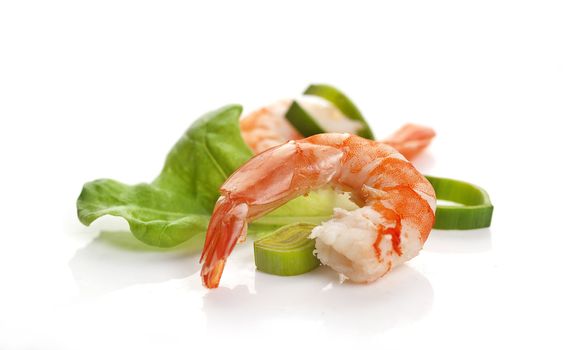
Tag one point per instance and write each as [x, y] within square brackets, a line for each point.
[459, 241]
[401, 297]
[116, 260]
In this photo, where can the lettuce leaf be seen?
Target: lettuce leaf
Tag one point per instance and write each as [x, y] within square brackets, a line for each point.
[177, 205]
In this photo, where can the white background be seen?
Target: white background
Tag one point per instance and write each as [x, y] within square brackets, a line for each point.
[104, 89]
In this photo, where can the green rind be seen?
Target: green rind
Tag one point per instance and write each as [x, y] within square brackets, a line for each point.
[302, 120]
[343, 103]
[287, 251]
[476, 210]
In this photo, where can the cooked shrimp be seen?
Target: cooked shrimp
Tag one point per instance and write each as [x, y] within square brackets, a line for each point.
[267, 127]
[396, 202]
[411, 139]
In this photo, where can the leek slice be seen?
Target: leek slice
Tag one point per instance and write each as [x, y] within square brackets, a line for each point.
[307, 125]
[343, 103]
[287, 251]
[302, 120]
[475, 211]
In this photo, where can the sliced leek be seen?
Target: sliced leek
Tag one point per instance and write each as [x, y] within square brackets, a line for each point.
[343, 103]
[302, 120]
[287, 251]
[306, 123]
[475, 211]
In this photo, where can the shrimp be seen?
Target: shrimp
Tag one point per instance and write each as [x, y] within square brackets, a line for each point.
[394, 218]
[410, 139]
[267, 127]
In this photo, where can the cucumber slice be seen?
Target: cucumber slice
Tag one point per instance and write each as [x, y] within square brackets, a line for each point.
[476, 210]
[287, 251]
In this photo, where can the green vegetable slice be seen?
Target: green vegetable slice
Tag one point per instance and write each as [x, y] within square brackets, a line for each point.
[475, 211]
[302, 120]
[287, 251]
[343, 103]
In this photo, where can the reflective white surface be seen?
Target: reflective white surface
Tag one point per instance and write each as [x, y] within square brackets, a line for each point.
[105, 89]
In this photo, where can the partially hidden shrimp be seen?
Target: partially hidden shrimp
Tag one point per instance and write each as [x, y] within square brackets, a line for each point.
[267, 127]
[410, 139]
[396, 203]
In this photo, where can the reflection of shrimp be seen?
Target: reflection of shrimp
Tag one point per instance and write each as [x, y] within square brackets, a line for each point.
[394, 219]
[267, 127]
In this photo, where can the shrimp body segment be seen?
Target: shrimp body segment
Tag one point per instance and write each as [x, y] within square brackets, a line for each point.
[396, 203]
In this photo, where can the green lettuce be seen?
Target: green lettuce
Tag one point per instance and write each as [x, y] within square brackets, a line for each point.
[177, 205]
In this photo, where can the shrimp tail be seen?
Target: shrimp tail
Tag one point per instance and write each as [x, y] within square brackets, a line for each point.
[411, 139]
[228, 226]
